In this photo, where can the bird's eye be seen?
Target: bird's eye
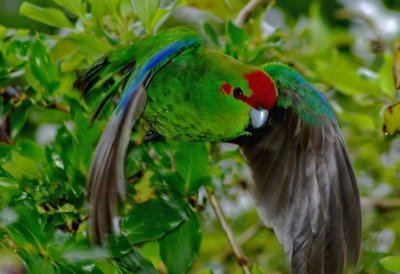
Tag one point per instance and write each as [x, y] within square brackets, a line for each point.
[238, 93]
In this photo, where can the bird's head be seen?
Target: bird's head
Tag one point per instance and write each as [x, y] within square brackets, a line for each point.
[258, 93]
[218, 98]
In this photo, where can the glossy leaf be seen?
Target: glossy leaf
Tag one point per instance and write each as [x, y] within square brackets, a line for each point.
[146, 10]
[386, 76]
[41, 265]
[391, 263]
[76, 7]
[210, 31]
[49, 16]
[18, 118]
[237, 35]
[391, 119]
[41, 66]
[89, 44]
[192, 165]
[179, 248]
[20, 167]
[133, 262]
[152, 219]
[344, 77]
[27, 229]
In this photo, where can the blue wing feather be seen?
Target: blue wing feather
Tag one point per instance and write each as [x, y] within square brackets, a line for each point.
[157, 60]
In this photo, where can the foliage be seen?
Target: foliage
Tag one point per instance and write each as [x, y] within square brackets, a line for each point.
[48, 137]
[391, 119]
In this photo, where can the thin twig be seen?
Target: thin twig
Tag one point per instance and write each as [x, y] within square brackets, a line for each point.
[240, 257]
[250, 233]
[396, 65]
[60, 106]
[246, 236]
[228, 3]
[247, 12]
[382, 204]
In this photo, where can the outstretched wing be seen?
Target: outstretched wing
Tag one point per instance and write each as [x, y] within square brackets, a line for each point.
[106, 182]
[306, 190]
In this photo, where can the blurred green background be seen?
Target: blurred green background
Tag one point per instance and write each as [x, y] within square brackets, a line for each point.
[346, 48]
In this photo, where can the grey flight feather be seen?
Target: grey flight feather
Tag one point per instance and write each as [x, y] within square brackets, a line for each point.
[306, 190]
[106, 182]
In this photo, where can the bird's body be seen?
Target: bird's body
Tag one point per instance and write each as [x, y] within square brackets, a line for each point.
[304, 187]
[192, 106]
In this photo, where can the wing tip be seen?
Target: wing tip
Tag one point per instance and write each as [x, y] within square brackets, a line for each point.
[87, 80]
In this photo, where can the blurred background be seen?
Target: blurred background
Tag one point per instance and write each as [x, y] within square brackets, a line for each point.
[347, 48]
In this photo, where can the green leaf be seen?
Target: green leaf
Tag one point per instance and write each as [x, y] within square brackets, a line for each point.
[86, 137]
[192, 165]
[386, 77]
[391, 263]
[163, 151]
[98, 10]
[211, 33]
[63, 49]
[133, 262]
[151, 252]
[9, 189]
[3, 32]
[340, 73]
[159, 17]
[88, 44]
[237, 35]
[41, 265]
[27, 229]
[364, 121]
[146, 10]
[20, 167]
[391, 119]
[320, 34]
[152, 219]
[15, 52]
[18, 118]
[179, 248]
[49, 16]
[32, 150]
[76, 7]
[41, 65]
[257, 270]
[8, 185]
[73, 63]
[5, 152]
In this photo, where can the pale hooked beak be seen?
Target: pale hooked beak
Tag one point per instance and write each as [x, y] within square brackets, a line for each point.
[258, 117]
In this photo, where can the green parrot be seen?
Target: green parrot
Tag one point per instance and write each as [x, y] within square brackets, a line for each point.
[304, 184]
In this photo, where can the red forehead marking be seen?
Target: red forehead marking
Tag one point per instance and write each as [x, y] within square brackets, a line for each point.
[226, 88]
[264, 91]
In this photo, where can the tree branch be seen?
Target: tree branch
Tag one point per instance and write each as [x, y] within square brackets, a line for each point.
[240, 257]
[381, 204]
[58, 106]
[247, 12]
[246, 236]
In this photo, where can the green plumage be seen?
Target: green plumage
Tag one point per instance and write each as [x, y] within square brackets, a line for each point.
[190, 105]
[294, 91]
[185, 98]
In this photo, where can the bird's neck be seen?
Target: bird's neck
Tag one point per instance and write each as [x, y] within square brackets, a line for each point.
[295, 92]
